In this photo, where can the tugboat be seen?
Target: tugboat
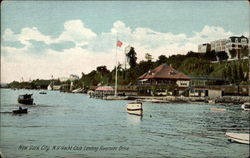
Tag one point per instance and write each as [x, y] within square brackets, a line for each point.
[20, 111]
[25, 99]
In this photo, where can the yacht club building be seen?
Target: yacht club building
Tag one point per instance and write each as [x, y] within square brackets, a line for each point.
[162, 77]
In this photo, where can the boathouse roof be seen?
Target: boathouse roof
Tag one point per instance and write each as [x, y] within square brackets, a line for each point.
[104, 88]
[164, 72]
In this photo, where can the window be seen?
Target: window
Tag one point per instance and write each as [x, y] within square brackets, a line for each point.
[243, 40]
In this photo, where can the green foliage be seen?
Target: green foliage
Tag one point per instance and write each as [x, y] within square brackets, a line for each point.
[143, 67]
[210, 56]
[176, 60]
[196, 67]
[161, 60]
[240, 72]
[222, 55]
[233, 53]
[148, 57]
[131, 55]
[244, 52]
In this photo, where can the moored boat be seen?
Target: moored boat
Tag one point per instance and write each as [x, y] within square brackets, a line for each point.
[238, 137]
[245, 106]
[78, 90]
[42, 92]
[135, 108]
[20, 111]
[25, 99]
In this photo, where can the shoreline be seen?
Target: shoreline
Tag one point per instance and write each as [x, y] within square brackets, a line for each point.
[179, 99]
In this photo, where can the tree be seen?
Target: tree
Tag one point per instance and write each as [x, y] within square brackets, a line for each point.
[229, 74]
[244, 52]
[233, 53]
[210, 55]
[148, 57]
[102, 69]
[240, 73]
[162, 59]
[235, 74]
[131, 55]
[143, 67]
[222, 55]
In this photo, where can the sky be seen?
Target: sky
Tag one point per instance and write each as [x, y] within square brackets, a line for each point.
[44, 38]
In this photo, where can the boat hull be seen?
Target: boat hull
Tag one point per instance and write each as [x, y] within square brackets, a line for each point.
[22, 111]
[135, 112]
[25, 101]
[238, 137]
[135, 108]
[246, 107]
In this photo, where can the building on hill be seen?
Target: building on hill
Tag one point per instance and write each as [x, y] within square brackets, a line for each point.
[219, 45]
[225, 45]
[203, 48]
[163, 77]
[237, 44]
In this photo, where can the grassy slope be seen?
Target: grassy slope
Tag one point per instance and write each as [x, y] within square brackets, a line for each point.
[192, 67]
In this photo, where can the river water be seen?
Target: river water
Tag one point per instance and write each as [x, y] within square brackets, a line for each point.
[63, 125]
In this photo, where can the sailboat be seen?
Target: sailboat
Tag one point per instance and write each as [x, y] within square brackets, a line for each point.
[49, 88]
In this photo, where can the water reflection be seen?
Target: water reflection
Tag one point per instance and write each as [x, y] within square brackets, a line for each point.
[134, 119]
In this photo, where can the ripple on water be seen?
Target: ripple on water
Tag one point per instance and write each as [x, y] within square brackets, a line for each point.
[173, 130]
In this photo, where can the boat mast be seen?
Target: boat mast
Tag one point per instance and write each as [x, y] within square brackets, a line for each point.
[116, 67]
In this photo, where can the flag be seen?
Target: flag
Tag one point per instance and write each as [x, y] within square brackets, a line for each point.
[118, 43]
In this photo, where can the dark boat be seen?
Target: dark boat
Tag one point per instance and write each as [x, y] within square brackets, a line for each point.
[20, 111]
[42, 92]
[25, 99]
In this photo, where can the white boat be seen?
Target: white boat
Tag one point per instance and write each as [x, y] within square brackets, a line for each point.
[49, 88]
[135, 108]
[245, 106]
[238, 137]
[78, 90]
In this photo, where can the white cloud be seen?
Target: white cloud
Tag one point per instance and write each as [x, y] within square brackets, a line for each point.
[75, 31]
[91, 49]
[210, 33]
[9, 35]
[120, 28]
[33, 34]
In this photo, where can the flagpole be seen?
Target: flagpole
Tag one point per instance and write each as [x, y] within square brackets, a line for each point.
[116, 67]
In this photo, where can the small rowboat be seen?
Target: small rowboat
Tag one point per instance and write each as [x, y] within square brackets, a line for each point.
[135, 108]
[42, 92]
[20, 111]
[245, 106]
[238, 137]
